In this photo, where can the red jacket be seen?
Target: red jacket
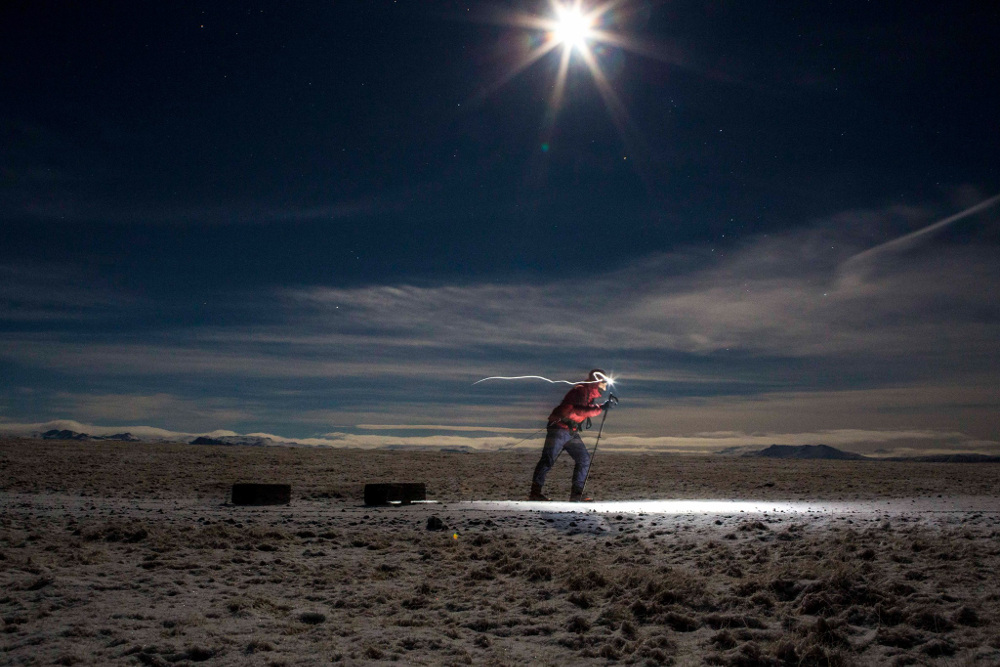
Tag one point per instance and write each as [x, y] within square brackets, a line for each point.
[576, 406]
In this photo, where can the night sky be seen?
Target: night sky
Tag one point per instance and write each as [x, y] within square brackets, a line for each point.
[327, 220]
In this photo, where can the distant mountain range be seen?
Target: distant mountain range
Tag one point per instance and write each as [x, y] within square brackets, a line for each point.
[805, 452]
[64, 434]
[216, 440]
[825, 452]
[235, 440]
[791, 452]
[800, 452]
[230, 440]
[456, 449]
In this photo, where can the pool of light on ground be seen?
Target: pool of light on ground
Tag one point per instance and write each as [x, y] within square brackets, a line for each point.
[725, 507]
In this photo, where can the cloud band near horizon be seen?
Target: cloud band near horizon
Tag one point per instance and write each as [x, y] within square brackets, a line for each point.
[777, 333]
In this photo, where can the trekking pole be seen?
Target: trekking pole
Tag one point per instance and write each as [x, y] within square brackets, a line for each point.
[614, 401]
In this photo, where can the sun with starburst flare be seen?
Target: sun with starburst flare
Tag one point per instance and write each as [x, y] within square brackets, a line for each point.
[573, 29]
[572, 26]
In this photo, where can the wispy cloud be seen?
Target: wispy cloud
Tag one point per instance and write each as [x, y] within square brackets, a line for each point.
[47, 175]
[184, 355]
[776, 334]
[46, 293]
[206, 412]
[784, 296]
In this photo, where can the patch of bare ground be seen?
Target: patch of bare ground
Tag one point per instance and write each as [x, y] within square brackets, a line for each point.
[113, 575]
[143, 470]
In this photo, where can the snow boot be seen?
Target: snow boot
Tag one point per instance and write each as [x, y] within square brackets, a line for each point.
[576, 496]
[536, 493]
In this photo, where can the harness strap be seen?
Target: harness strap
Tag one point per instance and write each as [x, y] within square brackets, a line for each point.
[573, 426]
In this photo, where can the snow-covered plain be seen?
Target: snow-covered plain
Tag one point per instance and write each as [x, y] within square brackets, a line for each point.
[127, 553]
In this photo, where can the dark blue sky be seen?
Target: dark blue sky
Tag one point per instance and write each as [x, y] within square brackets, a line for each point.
[299, 218]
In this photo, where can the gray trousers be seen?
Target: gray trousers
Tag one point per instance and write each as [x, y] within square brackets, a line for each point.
[556, 440]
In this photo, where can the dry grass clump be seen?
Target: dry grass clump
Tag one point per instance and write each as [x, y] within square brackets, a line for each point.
[633, 599]
[163, 656]
[113, 532]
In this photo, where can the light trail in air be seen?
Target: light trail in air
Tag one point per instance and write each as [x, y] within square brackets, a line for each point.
[601, 378]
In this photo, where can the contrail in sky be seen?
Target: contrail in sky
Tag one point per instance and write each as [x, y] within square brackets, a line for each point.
[908, 239]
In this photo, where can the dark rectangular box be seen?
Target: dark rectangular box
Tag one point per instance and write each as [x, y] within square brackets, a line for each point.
[402, 492]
